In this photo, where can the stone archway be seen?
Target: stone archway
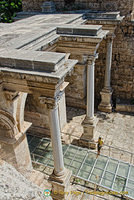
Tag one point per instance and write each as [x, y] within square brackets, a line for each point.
[13, 142]
[8, 128]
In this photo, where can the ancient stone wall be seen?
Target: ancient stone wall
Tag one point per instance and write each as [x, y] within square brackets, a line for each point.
[32, 5]
[123, 61]
[35, 5]
[122, 71]
[124, 6]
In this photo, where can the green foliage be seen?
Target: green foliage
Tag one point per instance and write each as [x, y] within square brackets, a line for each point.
[8, 9]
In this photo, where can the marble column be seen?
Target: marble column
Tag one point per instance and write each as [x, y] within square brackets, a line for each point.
[56, 141]
[60, 178]
[89, 123]
[106, 93]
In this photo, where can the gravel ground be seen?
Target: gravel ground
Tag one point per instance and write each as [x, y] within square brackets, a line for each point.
[14, 186]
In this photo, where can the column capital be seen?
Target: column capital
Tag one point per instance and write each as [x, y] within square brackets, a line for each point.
[110, 37]
[91, 58]
[51, 102]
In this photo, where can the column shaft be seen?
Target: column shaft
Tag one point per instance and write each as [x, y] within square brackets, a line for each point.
[108, 64]
[106, 93]
[89, 123]
[56, 141]
[90, 90]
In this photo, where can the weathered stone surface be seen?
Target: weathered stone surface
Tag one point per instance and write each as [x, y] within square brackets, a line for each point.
[79, 30]
[116, 129]
[32, 60]
[125, 108]
[125, 7]
[14, 185]
[103, 15]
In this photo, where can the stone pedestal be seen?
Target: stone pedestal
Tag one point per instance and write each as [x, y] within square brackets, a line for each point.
[90, 134]
[13, 141]
[16, 152]
[61, 188]
[106, 104]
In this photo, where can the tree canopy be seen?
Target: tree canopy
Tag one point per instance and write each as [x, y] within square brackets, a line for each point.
[8, 9]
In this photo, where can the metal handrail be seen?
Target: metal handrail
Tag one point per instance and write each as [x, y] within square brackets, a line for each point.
[110, 147]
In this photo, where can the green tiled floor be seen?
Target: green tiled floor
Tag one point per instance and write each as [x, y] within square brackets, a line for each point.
[104, 171]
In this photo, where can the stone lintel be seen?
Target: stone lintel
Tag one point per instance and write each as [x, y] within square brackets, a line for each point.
[84, 38]
[83, 30]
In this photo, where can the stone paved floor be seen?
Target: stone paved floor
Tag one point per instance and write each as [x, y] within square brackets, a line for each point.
[116, 129]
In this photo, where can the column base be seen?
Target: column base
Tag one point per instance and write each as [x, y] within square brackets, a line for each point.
[61, 188]
[105, 105]
[90, 135]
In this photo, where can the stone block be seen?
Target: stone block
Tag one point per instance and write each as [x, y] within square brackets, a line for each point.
[32, 60]
[90, 135]
[85, 30]
[105, 105]
[102, 15]
[16, 153]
